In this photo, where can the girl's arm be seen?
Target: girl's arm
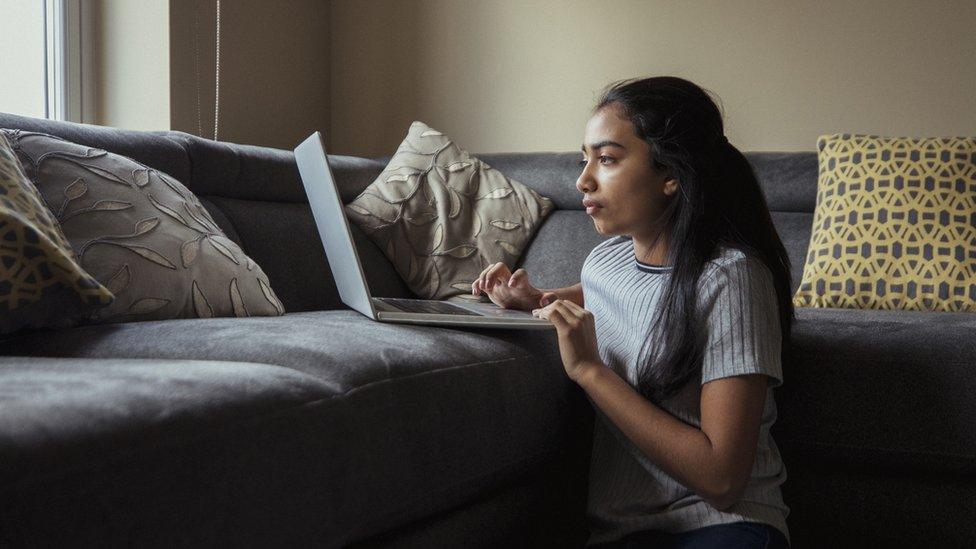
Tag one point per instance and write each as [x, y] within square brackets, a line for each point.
[742, 356]
[573, 293]
[714, 461]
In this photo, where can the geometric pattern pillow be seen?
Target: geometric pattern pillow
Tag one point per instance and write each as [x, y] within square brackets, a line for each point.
[441, 215]
[894, 225]
[41, 284]
[143, 235]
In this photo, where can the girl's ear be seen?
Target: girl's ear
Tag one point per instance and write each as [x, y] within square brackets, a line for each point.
[670, 187]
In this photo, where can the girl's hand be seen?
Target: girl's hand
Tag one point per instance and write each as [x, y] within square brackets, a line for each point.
[510, 290]
[577, 336]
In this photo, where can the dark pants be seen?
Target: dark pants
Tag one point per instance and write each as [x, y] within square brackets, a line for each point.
[737, 535]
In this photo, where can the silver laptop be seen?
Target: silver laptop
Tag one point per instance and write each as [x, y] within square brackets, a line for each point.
[330, 217]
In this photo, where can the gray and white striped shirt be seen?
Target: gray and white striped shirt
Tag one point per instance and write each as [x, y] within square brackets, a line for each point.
[627, 492]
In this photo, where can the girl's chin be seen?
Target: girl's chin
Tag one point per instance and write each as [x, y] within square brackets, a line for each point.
[603, 229]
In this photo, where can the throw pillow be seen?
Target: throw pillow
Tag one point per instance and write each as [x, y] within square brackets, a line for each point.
[441, 215]
[143, 235]
[894, 225]
[41, 284]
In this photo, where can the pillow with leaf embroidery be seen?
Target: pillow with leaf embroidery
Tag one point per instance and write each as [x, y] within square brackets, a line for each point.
[143, 235]
[441, 215]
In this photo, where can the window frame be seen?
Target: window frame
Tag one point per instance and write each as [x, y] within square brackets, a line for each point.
[68, 90]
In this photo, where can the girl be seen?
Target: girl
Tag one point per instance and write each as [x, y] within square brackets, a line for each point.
[687, 309]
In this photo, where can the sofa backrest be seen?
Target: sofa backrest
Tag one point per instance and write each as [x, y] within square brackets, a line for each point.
[256, 196]
[556, 254]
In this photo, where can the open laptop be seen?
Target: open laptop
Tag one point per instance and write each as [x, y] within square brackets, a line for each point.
[330, 217]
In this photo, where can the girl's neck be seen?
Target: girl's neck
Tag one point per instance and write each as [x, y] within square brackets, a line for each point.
[652, 250]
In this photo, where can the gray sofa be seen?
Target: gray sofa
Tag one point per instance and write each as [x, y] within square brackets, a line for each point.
[323, 428]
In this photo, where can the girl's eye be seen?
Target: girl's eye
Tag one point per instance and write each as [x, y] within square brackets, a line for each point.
[603, 160]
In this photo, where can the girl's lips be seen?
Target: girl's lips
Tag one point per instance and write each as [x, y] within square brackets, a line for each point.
[591, 206]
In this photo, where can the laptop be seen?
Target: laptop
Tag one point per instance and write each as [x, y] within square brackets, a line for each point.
[340, 249]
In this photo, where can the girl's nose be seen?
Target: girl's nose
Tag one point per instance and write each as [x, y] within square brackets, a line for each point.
[584, 183]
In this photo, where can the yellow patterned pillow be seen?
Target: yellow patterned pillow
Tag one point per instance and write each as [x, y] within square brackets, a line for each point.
[894, 226]
[41, 284]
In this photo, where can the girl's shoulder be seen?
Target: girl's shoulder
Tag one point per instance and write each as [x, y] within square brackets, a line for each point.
[729, 264]
[725, 256]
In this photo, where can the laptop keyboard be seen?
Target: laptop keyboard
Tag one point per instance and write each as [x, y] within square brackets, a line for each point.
[427, 306]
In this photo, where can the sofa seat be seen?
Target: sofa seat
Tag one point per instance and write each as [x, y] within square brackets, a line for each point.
[342, 347]
[887, 390]
[875, 426]
[849, 373]
[63, 413]
[396, 423]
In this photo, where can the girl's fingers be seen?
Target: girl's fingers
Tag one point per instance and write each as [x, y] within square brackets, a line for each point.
[556, 317]
[493, 274]
[498, 273]
[479, 284]
[544, 311]
[575, 309]
[563, 309]
[516, 277]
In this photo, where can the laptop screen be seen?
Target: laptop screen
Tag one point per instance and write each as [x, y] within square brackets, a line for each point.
[330, 218]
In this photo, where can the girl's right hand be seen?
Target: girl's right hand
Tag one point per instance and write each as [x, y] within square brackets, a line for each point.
[510, 290]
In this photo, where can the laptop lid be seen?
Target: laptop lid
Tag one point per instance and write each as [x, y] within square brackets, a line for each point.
[326, 204]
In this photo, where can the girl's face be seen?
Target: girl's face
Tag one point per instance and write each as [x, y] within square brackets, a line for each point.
[624, 193]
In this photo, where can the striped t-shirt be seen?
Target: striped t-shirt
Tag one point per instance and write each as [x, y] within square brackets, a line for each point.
[627, 492]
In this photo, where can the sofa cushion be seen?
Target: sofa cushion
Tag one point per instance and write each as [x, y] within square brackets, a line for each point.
[161, 453]
[555, 258]
[441, 215]
[423, 419]
[143, 234]
[61, 413]
[889, 390]
[848, 374]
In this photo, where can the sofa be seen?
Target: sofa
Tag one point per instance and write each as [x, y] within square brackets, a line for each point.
[323, 428]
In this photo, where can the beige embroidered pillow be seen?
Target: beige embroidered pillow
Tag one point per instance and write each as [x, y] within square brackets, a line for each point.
[441, 215]
[143, 235]
[41, 284]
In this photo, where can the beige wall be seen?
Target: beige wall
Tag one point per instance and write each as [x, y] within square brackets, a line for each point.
[274, 65]
[130, 43]
[152, 59]
[520, 75]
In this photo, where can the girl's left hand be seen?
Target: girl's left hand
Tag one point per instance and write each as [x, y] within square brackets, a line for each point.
[577, 336]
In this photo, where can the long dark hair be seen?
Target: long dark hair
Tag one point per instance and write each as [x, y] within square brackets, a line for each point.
[719, 204]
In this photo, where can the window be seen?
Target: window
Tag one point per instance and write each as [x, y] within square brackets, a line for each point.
[44, 47]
